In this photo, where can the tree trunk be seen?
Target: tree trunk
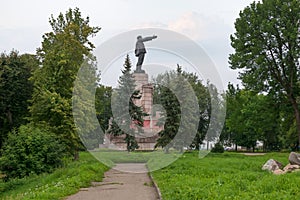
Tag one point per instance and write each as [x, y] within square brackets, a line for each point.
[297, 116]
[207, 145]
[197, 146]
[181, 149]
[128, 142]
[9, 117]
[76, 155]
[166, 149]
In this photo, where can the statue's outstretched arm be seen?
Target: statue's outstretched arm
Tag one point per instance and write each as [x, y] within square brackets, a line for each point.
[145, 39]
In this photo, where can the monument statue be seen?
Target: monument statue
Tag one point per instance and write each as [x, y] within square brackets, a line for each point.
[140, 51]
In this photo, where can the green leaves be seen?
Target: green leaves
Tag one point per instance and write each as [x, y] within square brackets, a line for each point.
[75, 26]
[267, 49]
[179, 92]
[30, 150]
[267, 43]
[15, 90]
[128, 117]
[62, 54]
[251, 117]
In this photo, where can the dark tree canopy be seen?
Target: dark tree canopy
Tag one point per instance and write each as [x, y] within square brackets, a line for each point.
[103, 105]
[63, 52]
[15, 90]
[251, 117]
[267, 48]
[173, 92]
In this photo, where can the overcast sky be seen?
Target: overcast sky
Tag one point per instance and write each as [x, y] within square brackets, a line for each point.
[208, 22]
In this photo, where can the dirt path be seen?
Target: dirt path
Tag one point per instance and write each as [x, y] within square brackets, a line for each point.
[254, 154]
[121, 182]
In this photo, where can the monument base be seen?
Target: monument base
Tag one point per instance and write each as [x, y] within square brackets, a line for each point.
[141, 79]
[139, 71]
[147, 139]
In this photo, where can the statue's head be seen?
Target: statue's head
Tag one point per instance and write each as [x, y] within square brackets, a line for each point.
[139, 37]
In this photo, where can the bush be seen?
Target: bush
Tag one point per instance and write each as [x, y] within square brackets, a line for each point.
[218, 148]
[30, 150]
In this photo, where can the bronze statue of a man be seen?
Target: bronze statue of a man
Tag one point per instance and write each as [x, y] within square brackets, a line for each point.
[140, 51]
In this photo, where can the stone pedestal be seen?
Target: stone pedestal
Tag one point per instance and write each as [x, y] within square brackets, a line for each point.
[140, 79]
[147, 139]
[146, 89]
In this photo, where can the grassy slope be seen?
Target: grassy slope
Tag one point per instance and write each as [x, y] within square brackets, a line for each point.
[217, 176]
[226, 176]
[61, 183]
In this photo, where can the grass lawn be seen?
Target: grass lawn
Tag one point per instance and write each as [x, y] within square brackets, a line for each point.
[226, 176]
[61, 183]
[155, 160]
[216, 176]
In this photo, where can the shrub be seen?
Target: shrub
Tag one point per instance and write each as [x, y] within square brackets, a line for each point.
[218, 148]
[30, 150]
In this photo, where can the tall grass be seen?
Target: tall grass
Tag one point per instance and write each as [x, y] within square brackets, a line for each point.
[216, 176]
[61, 183]
[226, 176]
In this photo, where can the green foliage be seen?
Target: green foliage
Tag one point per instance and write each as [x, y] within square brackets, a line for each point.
[267, 48]
[30, 150]
[288, 136]
[15, 90]
[83, 104]
[251, 117]
[267, 44]
[263, 115]
[57, 185]
[225, 176]
[218, 148]
[103, 105]
[216, 112]
[172, 118]
[63, 52]
[204, 101]
[128, 117]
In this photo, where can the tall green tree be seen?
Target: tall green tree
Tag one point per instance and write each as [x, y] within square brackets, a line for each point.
[180, 117]
[216, 111]
[263, 114]
[103, 105]
[239, 123]
[128, 117]
[170, 118]
[15, 90]
[267, 48]
[204, 101]
[251, 117]
[63, 51]
[83, 104]
[288, 130]
[230, 134]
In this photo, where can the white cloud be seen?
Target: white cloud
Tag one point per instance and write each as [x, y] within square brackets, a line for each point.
[199, 27]
[150, 25]
[190, 24]
[194, 25]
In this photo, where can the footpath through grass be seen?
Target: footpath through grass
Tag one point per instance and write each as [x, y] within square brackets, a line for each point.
[216, 176]
[61, 183]
[226, 176]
